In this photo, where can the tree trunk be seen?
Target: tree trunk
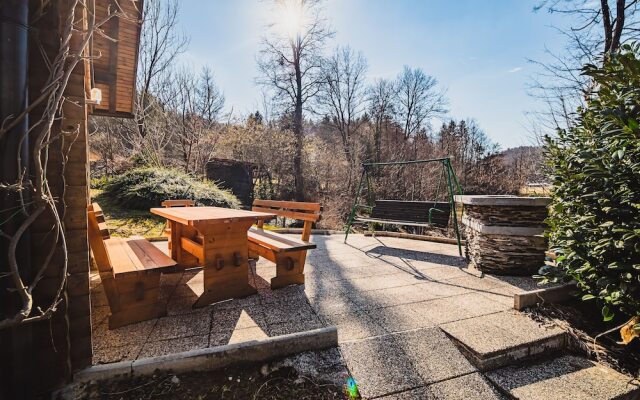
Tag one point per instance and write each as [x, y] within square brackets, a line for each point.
[298, 132]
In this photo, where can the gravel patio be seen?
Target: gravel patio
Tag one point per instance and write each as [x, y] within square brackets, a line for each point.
[402, 308]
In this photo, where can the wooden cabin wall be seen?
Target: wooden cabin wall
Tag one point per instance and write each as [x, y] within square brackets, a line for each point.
[39, 357]
[116, 60]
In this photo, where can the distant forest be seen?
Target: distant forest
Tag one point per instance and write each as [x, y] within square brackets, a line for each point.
[320, 118]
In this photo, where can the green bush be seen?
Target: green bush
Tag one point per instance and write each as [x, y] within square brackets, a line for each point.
[99, 183]
[143, 188]
[594, 221]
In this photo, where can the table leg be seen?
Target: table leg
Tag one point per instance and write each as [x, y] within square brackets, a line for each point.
[226, 267]
[183, 258]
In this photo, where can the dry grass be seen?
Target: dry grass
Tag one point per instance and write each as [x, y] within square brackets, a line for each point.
[124, 222]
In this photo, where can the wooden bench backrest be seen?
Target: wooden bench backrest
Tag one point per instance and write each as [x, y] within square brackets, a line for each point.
[96, 241]
[290, 209]
[178, 203]
[102, 223]
[307, 212]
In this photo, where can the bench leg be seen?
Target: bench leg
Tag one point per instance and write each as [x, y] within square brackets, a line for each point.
[138, 299]
[289, 269]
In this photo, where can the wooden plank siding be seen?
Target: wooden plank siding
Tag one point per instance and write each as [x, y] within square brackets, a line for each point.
[41, 356]
[115, 65]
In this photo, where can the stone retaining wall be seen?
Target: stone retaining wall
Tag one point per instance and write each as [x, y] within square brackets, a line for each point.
[507, 215]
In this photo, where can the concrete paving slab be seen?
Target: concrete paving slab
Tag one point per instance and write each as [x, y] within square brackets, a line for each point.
[320, 288]
[522, 283]
[381, 282]
[386, 295]
[107, 355]
[399, 318]
[228, 320]
[283, 311]
[247, 334]
[496, 340]
[474, 283]
[183, 305]
[181, 326]
[127, 335]
[380, 366]
[295, 325]
[389, 297]
[502, 294]
[420, 393]
[439, 272]
[455, 308]
[354, 325]
[363, 271]
[338, 304]
[471, 386]
[443, 288]
[567, 377]
[294, 293]
[158, 348]
[432, 354]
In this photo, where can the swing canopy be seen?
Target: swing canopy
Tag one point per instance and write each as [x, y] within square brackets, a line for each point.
[427, 213]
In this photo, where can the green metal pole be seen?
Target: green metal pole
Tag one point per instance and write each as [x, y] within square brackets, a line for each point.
[450, 177]
[355, 204]
[369, 191]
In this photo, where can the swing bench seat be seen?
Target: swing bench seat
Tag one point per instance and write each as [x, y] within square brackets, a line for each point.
[409, 213]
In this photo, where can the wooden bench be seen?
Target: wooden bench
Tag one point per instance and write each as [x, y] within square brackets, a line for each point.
[174, 203]
[130, 272]
[410, 213]
[289, 254]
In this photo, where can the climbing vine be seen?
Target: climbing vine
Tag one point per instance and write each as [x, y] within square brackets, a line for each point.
[35, 197]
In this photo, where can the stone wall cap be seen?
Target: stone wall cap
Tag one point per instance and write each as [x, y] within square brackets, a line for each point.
[503, 200]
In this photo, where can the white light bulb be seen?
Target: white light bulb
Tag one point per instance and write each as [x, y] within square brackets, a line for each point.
[96, 96]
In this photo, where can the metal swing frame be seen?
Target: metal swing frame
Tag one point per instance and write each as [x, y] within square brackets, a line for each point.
[452, 185]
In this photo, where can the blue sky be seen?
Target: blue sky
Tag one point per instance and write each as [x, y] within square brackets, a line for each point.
[477, 49]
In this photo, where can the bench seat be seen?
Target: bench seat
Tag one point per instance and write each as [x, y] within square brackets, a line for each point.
[130, 272]
[288, 253]
[410, 213]
[132, 256]
[392, 222]
[278, 242]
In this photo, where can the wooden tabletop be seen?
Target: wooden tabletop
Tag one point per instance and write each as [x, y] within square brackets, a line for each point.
[213, 215]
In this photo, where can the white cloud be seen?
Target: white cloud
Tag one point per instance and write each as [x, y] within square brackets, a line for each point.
[516, 69]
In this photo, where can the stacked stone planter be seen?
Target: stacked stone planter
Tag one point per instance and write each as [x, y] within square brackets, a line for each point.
[504, 233]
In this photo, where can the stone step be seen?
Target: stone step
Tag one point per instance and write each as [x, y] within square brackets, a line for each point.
[501, 339]
[566, 377]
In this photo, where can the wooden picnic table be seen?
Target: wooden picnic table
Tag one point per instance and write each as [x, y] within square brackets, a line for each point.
[216, 239]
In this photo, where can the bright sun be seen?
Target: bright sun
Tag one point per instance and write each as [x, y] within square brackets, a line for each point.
[292, 16]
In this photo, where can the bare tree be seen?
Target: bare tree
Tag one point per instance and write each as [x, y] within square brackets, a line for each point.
[198, 103]
[598, 28]
[419, 100]
[289, 63]
[342, 96]
[160, 44]
[381, 109]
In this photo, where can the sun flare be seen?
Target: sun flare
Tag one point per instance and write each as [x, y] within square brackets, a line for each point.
[292, 17]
